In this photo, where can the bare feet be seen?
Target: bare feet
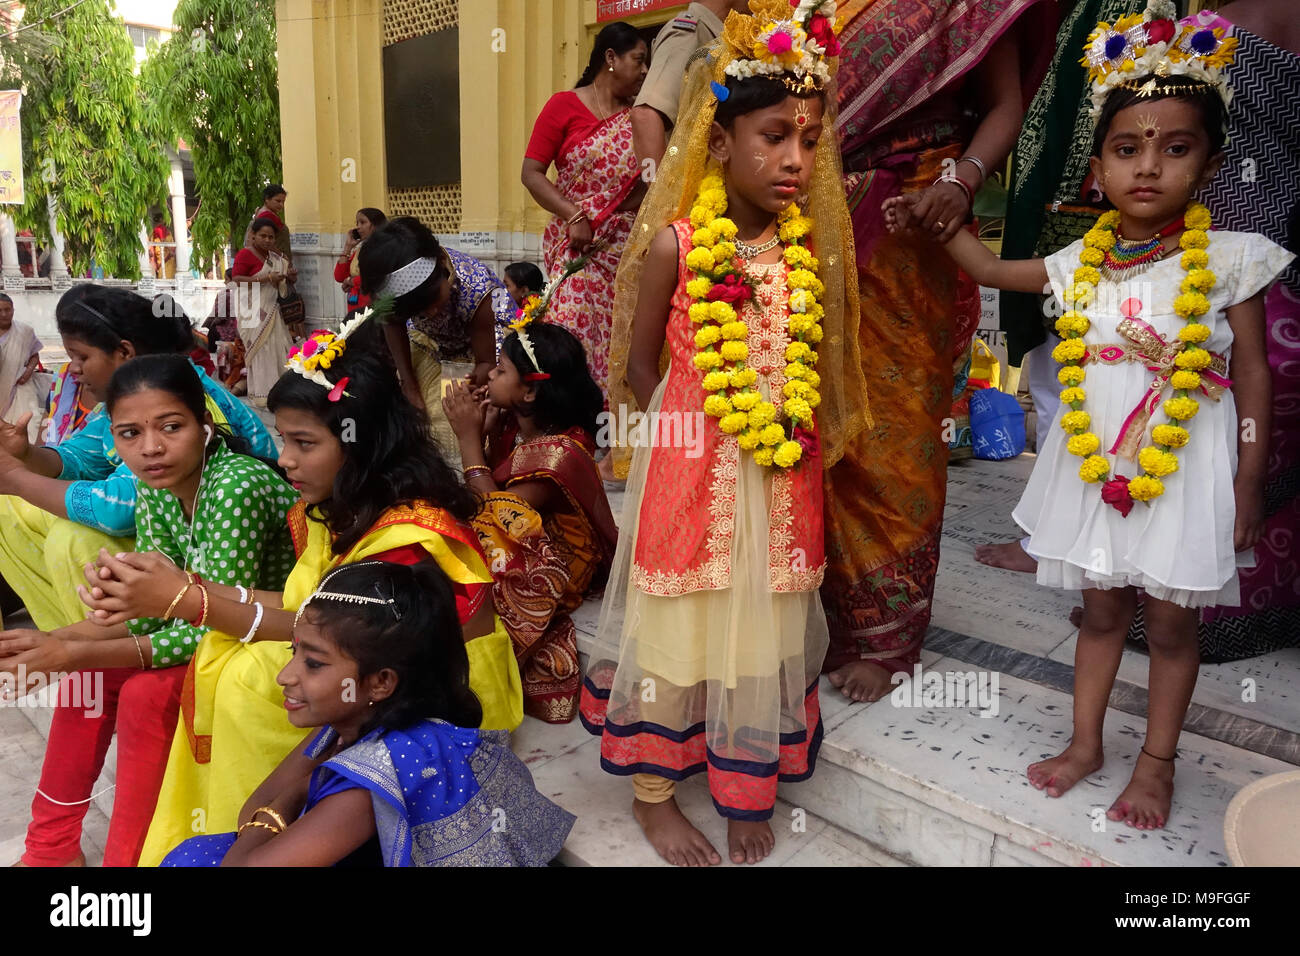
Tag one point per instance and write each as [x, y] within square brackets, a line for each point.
[861, 681]
[1063, 771]
[748, 841]
[1144, 804]
[672, 835]
[1008, 555]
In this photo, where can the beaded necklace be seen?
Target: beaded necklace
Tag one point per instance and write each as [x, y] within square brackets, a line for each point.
[1135, 257]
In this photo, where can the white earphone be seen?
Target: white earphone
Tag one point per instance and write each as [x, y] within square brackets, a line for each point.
[207, 431]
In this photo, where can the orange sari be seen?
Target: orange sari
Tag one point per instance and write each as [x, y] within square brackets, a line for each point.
[543, 565]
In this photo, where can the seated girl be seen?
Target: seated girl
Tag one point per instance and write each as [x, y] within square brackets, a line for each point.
[373, 485]
[201, 510]
[397, 776]
[59, 506]
[542, 511]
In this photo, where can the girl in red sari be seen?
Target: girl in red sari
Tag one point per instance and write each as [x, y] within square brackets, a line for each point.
[587, 133]
[543, 517]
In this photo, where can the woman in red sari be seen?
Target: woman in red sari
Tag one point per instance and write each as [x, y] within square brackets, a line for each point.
[543, 519]
[587, 133]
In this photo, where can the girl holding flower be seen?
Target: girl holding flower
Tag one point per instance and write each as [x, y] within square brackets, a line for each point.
[712, 634]
[1154, 478]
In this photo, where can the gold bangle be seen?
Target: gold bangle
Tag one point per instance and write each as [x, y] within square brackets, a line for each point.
[575, 217]
[473, 471]
[180, 595]
[273, 815]
[258, 823]
[135, 639]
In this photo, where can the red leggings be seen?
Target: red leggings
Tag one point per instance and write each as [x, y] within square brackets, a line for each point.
[142, 707]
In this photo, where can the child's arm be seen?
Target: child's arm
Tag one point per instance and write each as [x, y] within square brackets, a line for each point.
[649, 328]
[975, 258]
[1252, 389]
[325, 834]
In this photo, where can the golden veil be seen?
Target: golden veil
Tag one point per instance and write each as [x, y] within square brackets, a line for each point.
[843, 411]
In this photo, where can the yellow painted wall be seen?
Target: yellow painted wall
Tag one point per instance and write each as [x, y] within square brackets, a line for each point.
[331, 110]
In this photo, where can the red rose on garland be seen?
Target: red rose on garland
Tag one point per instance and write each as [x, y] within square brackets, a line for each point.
[1115, 493]
[1160, 31]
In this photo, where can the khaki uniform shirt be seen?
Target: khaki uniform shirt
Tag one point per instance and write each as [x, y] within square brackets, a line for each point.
[673, 46]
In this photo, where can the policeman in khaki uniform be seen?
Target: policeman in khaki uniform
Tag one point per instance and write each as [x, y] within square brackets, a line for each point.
[655, 110]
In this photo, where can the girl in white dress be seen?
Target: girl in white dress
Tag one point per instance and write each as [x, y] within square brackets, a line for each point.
[1153, 480]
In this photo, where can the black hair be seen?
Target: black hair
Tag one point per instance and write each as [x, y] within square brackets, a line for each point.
[398, 243]
[263, 222]
[272, 190]
[389, 455]
[617, 36]
[374, 216]
[174, 375]
[526, 276]
[4, 297]
[1207, 101]
[570, 396]
[105, 317]
[757, 93]
[418, 636]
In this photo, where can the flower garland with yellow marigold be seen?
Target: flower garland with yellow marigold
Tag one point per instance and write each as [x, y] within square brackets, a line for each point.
[770, 434]
[1157, 460]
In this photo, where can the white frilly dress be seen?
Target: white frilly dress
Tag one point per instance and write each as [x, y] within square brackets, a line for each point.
[1179, 546]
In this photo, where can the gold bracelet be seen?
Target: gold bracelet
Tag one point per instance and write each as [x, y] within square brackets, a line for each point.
[575, 217]
[135, 639]
[273, 815]
[258, 823]
[473, 471]
[180, 595]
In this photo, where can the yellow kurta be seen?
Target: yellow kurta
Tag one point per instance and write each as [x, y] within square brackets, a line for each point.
[234, 729]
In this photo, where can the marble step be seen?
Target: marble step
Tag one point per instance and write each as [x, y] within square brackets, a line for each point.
[939, 786]
[565, 763]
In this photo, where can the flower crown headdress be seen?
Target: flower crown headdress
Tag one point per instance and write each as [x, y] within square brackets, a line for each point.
[1140, 47]
[791, 39]
[535, 306]
[322, 348]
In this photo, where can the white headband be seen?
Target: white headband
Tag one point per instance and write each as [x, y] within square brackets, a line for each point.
[408, 277]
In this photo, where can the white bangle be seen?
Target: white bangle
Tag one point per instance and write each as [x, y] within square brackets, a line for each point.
[257, 621]
[243, 593]
[978, 164]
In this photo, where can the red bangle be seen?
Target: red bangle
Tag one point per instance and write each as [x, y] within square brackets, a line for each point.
[970, 193]
[203, 607]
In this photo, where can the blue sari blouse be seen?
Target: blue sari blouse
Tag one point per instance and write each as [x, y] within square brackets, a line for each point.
[442, 796]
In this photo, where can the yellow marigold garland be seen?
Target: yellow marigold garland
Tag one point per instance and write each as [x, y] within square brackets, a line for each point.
[760, 428]
[1158, 459]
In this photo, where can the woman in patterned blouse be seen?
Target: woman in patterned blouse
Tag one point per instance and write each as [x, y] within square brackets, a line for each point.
[213, 512]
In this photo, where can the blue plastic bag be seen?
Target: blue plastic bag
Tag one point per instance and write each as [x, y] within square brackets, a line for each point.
[997, 424]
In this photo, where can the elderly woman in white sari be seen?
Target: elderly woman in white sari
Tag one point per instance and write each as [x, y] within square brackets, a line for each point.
[20, 351]
[262, 275]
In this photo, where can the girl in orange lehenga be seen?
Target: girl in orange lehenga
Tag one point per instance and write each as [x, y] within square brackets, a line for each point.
[712, 635]
[543, 518]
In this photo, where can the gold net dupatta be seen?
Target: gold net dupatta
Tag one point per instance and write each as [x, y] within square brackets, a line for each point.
[843, 411]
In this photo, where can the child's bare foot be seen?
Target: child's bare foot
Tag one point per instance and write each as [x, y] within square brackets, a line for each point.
[672, 835]
[748, 841]
[1063, 771]
[1009, 555]
[1144, 804]
[861, 681]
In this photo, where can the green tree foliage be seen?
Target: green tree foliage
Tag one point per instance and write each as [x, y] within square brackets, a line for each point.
[89, 140]
[216, 82]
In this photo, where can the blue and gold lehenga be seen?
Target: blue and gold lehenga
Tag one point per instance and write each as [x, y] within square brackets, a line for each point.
[442, 796]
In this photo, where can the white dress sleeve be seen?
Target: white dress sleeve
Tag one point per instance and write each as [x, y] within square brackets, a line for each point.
[1060, 268]
[1259, 262]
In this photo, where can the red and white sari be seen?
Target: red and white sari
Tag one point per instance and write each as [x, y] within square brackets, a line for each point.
[597, 169]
